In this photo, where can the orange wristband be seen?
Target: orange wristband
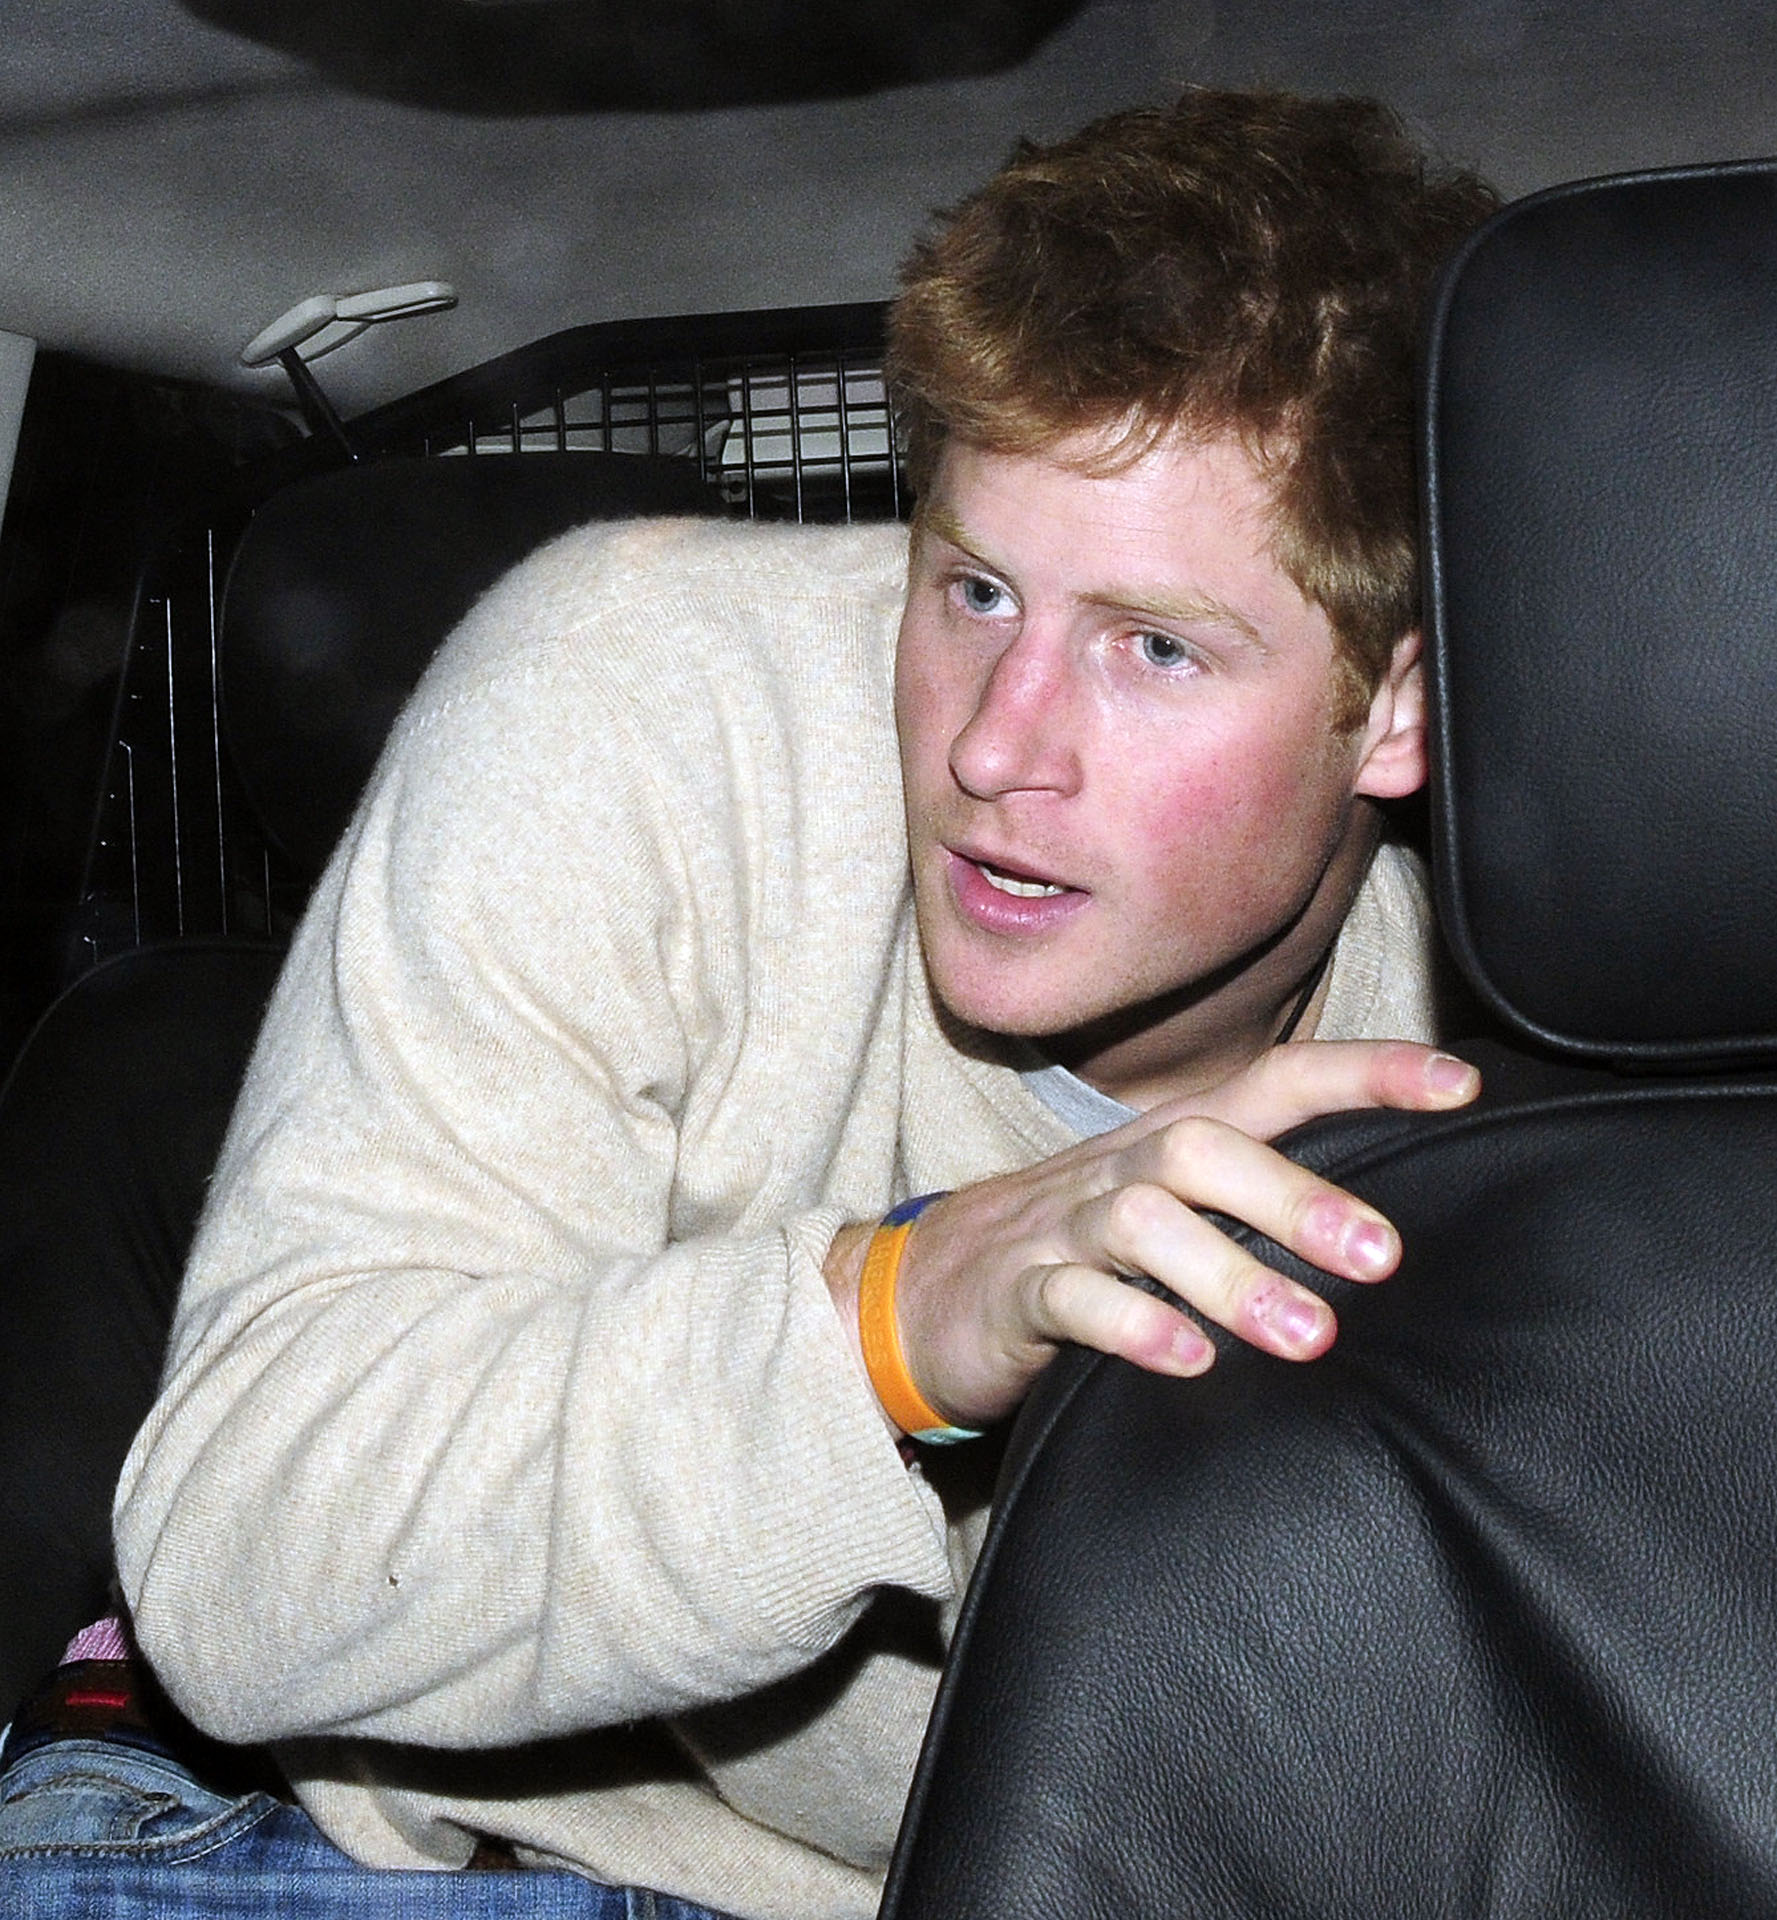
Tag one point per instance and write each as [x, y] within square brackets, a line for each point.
[880, 1332]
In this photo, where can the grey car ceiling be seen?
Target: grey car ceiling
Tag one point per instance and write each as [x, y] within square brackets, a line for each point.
[169, 185]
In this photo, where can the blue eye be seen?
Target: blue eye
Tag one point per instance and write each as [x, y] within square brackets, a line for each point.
[979, 595]
[1162, 650]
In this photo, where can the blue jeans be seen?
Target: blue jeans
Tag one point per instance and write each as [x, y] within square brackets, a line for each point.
[92, 1830]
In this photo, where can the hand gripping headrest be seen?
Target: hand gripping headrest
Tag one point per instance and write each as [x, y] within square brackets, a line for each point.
[1601, 497]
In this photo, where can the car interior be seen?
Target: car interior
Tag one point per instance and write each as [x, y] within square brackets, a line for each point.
[320, 318]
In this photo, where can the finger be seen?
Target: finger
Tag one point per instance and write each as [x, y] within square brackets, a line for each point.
[1091, 1309]
[1290, 1085]
[1148, 1230]
[1206, 1163]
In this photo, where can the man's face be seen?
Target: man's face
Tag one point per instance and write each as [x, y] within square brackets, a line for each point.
[1128, 808]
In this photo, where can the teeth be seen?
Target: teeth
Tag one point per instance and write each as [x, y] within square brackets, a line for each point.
[1024, 889]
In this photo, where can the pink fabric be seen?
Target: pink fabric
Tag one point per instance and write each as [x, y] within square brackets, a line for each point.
[103, 1640]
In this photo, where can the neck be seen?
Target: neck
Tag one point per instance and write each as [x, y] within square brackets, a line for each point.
[1202, 1034]
[1144, 1065]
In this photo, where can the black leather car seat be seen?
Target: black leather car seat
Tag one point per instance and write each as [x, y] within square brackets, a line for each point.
[1477, 1616]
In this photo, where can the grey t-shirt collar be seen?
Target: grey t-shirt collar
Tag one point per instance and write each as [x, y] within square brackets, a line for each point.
[1073, 1102]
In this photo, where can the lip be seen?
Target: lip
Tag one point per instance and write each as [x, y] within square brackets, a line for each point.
[983, 905]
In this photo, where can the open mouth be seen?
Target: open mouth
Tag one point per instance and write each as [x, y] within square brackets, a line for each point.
[1016, 884]
[1000, 899]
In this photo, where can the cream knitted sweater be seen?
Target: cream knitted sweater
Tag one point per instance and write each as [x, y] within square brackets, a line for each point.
[512, 1471]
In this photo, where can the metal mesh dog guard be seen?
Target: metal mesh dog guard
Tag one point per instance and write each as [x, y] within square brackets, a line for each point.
[784, 411]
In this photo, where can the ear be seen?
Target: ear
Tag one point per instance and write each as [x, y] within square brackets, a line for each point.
[1391, 763]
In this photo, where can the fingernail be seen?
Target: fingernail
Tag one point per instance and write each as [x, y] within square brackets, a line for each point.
[1369, 1244]
[1444, 1073]
[1297, 1319]
[1192, 1352]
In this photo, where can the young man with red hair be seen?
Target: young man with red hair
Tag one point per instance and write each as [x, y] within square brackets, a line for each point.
[778, 986]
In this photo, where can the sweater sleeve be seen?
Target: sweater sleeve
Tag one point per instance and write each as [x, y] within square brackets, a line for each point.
[505, 1396]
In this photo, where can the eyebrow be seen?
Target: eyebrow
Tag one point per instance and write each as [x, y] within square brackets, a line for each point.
[1194, 609]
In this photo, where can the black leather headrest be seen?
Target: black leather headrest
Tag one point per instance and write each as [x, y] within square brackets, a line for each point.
[343, 586]
[1601, 489]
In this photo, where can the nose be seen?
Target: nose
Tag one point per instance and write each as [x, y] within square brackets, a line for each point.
[1020, 735]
